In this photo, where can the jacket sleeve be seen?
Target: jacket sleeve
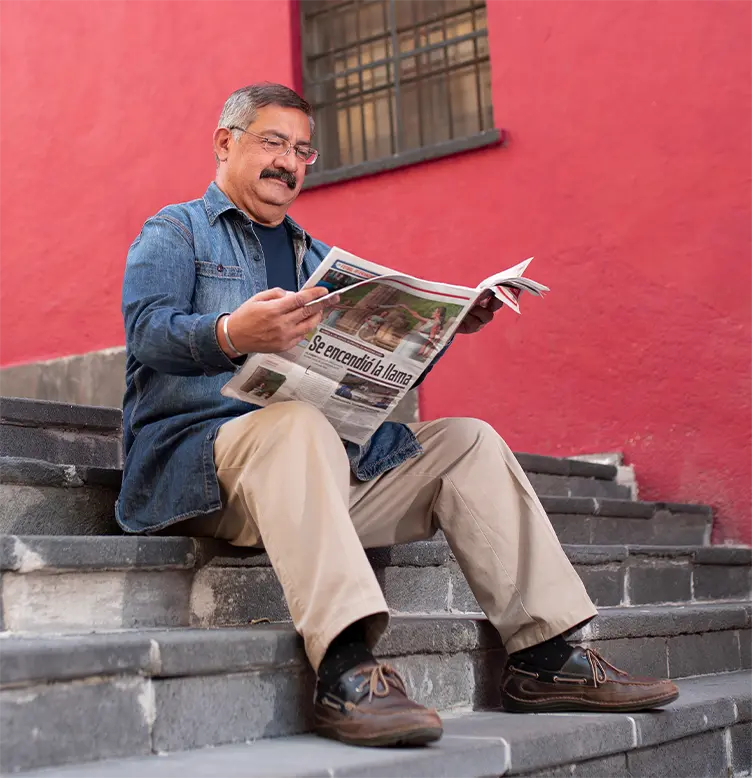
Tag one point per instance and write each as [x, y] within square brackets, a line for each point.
[433, 362]
[161, 330]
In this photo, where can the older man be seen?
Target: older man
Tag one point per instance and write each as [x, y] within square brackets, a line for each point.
[212, 280]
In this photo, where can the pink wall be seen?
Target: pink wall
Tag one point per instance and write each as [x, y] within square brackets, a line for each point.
[627, 176]
[107, 114]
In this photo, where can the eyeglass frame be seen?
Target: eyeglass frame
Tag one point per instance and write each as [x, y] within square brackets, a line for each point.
[265, 139]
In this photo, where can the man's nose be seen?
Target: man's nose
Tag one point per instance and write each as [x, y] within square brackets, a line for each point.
[289, 161]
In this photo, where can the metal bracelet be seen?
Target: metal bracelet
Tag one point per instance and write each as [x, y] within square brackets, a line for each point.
[227, 337]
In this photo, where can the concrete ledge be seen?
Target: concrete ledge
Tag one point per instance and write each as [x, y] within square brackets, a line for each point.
[46, 413]
[700, 734]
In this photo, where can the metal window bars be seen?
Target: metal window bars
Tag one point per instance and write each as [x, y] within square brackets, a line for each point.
[390, 76]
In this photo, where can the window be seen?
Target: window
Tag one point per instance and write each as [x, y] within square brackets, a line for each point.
[398, 80]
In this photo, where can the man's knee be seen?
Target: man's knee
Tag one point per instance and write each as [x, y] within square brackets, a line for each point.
[466, 433]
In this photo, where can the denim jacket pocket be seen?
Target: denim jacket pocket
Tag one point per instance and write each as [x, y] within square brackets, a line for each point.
[218, 287]
[215, 270]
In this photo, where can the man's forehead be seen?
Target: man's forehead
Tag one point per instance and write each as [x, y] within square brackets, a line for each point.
[283, 123]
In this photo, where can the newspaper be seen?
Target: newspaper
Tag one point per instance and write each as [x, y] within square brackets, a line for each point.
[379, 333]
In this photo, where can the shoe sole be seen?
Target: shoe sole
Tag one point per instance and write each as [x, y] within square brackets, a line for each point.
[409, 738]
[570, 706]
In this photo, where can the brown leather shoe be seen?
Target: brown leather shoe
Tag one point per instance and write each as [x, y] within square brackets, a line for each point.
[369, 706]
[586, 682]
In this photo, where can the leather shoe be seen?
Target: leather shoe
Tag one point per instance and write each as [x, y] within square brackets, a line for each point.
[586, 682]
[369, 706]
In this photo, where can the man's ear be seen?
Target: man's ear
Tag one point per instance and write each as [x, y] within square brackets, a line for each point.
[222, 141]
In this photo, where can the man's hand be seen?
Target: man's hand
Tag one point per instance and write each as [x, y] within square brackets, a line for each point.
[479, 315]
[273, 320]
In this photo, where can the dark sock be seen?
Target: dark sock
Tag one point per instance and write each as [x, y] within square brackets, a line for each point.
[346, 651]
[550, 655]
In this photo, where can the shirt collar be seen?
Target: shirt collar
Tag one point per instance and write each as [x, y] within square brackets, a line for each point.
[217, 202]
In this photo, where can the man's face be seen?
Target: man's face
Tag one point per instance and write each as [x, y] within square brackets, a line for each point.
[258, 179]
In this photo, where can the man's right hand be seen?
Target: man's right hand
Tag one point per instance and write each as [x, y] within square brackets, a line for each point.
[273, 320]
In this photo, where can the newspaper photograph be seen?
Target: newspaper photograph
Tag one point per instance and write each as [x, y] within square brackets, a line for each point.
[380, 332]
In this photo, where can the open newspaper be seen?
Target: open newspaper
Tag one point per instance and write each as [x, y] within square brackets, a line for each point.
[373, 343]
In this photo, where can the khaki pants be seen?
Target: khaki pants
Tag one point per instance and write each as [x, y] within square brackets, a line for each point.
[286, 483]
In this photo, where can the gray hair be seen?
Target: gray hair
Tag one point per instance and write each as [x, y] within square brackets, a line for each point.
[242, 105]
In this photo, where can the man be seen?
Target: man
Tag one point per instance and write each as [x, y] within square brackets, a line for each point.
[212, 280]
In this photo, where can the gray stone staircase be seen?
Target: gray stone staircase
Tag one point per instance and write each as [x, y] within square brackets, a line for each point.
[124, 656]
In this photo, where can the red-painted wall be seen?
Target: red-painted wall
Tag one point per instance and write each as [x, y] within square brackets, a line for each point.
[627, 176]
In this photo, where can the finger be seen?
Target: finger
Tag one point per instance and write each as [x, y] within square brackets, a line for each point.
[269, 294]
[482, 314]
[494, 305]
[308, 324]
[471, 323]
[299, 299]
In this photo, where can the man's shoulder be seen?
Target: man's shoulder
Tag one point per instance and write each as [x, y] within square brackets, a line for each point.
[186, 213]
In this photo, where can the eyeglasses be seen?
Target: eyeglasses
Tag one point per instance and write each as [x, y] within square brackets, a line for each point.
[281, 147]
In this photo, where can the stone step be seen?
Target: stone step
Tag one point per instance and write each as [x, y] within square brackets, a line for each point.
[60, 432]
[164, 691]
[76, 583]
[90, 436]
[42, 498]
[706, 732]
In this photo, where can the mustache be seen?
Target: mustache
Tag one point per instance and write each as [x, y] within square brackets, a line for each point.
[285, 176]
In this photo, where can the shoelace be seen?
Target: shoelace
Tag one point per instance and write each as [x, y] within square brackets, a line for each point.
[378, 681]
[598, 666]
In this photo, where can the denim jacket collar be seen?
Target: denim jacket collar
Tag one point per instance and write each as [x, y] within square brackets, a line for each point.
[217, 202]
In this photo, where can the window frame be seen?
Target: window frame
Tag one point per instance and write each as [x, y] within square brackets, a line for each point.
[433, 150]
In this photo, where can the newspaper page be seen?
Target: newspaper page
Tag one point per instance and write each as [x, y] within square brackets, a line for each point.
[372, 345]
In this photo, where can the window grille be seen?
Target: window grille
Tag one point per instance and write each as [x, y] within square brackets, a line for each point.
[387, 77]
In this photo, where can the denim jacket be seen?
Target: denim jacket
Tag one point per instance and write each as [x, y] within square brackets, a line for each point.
[192, 263]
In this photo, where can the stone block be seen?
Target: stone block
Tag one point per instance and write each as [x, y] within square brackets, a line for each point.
[548, 740]
[439, 681]
[73, 602]
[595, 487]
[578, 467]
[59, 445]
[691, 714]
[666, 620]
[723, 555]
[415, 589]
[204, 652]
[422, 553]
[639, 656]
[75, 722]
[745, 648]
[44, 413]
[722, 582]
[604, 583]
[741, 748]
[537, 463]
[582, 506]
[655, 581]
[596, 555]
[462, 599]
[663, 530]
[223, 596]
[45, 510]
[611, 766]
[699, 756]
[626, 509]
[443, 635]
[703, 654]
[116, 552]
[215, 709]
[68, 657]
[571, 528]
[308, 756]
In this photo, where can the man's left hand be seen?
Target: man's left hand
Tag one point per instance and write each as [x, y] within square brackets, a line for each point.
[479, 315]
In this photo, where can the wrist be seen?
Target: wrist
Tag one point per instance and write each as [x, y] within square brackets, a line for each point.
[224, 338]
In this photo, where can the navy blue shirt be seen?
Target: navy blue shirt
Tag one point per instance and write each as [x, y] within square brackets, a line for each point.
[279, 256]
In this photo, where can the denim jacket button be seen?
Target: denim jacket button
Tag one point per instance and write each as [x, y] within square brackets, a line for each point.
[220, 268]
[257, 257]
